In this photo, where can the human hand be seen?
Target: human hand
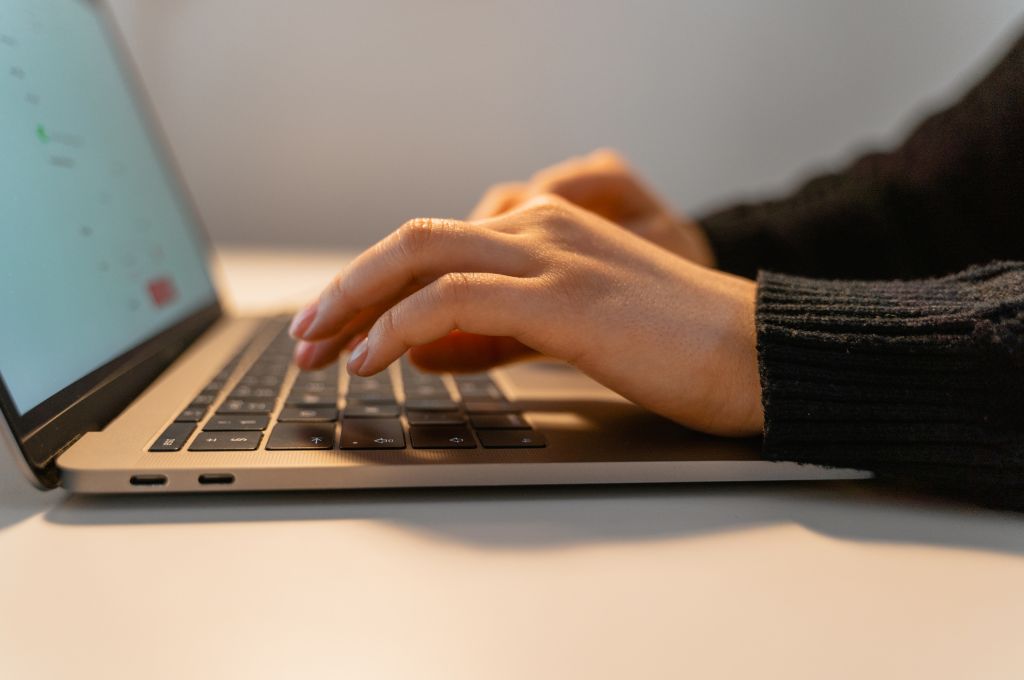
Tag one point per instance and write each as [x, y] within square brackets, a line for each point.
[669, 335]
[603, 183]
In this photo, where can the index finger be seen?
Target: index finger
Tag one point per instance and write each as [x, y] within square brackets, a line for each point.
[417, 253]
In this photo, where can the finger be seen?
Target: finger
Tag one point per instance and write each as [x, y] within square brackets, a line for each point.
[498, 199]
[309, 356]
[486, 304]
[599, 161]
[313, 355]
[468, 352]
[417, 253]
[613, 194]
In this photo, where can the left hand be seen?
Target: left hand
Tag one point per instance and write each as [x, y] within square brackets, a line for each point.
[667, 334]
[604, 183]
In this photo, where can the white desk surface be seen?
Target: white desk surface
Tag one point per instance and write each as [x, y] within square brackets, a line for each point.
[821, 580]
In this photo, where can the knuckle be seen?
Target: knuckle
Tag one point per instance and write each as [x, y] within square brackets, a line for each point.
[336, 291]
[415, 234]
[388, 324]
[550, 207]
[419, 233]
[548, 200]
[455, 288]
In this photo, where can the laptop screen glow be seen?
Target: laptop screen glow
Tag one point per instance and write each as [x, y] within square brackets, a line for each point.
[99, 253]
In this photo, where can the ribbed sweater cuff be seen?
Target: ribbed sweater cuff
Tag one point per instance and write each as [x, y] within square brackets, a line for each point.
[896, 375]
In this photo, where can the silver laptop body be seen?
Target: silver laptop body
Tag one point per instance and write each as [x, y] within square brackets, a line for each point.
[119, 373]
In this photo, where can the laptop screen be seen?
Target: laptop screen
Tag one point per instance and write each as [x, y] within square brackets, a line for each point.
[100, 251]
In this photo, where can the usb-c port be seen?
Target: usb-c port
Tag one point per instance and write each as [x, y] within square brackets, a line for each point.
[218, 478]
[148, 480]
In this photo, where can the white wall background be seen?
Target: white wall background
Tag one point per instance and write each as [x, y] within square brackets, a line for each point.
[331, 121]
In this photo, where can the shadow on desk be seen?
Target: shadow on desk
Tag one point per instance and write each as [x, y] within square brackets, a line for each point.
[540, 517]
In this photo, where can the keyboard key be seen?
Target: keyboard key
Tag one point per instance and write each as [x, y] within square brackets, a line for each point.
[371, 398]
[441, 437]
[312, 399]
[203, 400]
[315, 387]
[240, 423]
[226, 441]
[417, 378]
[323, 375]
[431, 405]
[313, 414]
[193, 414]
[225, 374]
[480, 392]
[435, 417]
[410, 378]
[371, 410]
[297, 436]
[174, 437]
[250, 392]
[512, 439]
[426, 392]
[274, 368]
[356, 384]
[499, 421]
[261, 380]
[476, 383]
[472, 379]
[478, 406]
[372, 433]
[245, 406]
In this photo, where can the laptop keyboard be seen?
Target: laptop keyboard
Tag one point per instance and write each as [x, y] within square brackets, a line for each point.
[421, 412]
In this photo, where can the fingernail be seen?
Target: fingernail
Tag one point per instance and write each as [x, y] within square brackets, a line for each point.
[302, 321]
[355, 362]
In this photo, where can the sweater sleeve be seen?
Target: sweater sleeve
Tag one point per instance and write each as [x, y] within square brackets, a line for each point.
[920, 378]
[948, 197]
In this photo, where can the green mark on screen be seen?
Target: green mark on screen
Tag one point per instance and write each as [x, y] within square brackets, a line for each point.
[41, 134]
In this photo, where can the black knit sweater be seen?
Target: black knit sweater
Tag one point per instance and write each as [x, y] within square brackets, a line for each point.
[890, 312]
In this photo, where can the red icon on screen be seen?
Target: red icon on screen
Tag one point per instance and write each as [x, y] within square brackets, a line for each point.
[162, 291]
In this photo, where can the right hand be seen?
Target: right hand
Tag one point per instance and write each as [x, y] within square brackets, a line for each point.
[603, 183]
[672, 336]
[600, 182]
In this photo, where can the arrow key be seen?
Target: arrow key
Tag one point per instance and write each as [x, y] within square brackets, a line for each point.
[372, 433]
[301, 436]
[441, 437]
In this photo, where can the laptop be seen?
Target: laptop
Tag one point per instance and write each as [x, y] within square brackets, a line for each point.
[120, 373]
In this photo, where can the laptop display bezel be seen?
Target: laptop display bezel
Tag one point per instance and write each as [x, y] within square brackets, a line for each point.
[92, 401]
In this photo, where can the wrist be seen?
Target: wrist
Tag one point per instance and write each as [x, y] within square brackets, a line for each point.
[738, 380]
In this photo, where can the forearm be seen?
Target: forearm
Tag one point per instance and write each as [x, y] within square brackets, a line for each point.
[948, 197]
[918, 377]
